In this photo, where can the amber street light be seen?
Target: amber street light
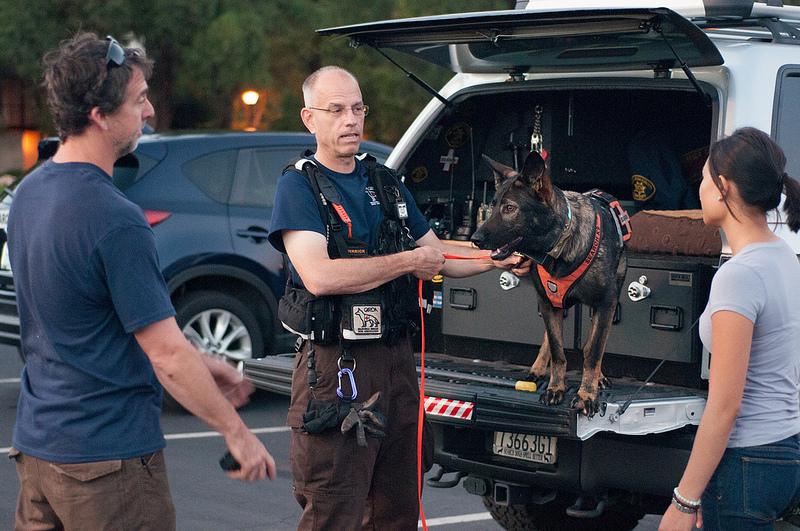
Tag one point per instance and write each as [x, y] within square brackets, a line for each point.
[250, 98]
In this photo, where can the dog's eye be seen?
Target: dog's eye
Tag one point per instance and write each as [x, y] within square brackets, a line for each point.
[508, 209]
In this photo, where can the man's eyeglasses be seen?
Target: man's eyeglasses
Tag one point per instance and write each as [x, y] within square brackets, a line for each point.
[115, 55]
[336, 111]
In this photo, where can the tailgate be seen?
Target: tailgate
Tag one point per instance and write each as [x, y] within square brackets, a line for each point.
[482, 394]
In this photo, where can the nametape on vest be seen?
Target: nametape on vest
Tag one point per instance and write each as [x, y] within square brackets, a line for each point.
[444, 407]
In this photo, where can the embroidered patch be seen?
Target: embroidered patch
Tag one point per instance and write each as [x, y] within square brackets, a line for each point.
[366, 319]
[457, 135]
[419, 174]
[643, 188]
[370, 191]
[448, 161]
[437, 299]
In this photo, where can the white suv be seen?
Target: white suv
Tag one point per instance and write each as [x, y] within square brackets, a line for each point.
[625, 96]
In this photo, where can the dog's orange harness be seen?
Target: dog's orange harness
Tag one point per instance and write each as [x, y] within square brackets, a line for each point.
[557, 288]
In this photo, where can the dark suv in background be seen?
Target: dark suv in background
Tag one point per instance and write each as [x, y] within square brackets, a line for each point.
[208, 198]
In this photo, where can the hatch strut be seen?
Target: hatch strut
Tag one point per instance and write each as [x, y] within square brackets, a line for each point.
[684, 67]
[413, 77]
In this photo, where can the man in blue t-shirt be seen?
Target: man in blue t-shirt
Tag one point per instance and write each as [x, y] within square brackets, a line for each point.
[341, 480]
[97, 324]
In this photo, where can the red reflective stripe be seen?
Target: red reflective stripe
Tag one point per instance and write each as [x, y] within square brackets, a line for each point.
[445, 407]
[344, 217]
[563, 284]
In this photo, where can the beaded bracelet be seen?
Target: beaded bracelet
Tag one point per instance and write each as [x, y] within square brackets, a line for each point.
[692, 504]
[682, 508]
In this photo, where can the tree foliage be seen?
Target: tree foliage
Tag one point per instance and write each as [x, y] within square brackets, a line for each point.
[208, 51]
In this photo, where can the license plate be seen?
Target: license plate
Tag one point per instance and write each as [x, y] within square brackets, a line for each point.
[535, 448]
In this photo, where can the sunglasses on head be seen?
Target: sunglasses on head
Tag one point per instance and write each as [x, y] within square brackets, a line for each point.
[115, 54]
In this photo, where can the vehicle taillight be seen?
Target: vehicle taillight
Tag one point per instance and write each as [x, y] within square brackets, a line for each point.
[154, 217]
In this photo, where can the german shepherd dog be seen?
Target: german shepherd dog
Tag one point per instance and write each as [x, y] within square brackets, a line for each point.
[559, 228]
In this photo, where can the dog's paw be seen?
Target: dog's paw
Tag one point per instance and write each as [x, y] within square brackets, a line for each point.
[552, 397]
[588, 406]
[540, 381]
[604, 383]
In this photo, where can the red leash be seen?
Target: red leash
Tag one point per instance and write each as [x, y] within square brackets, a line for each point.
[421, 413]
[456, 257]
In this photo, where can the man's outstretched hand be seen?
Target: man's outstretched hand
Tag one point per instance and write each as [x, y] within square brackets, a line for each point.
[231, 383]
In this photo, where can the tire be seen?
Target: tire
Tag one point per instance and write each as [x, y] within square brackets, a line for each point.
[553, 517]
[190, 312]
[221, 325]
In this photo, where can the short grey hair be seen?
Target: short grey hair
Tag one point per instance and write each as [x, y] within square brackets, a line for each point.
[311, 81]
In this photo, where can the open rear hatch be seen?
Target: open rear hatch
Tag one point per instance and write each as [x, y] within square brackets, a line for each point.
[523, 41]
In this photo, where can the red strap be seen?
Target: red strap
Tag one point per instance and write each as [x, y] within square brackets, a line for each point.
[456, 257]
[624, 220]
[344, 217]
[557, 288]
[421, 413]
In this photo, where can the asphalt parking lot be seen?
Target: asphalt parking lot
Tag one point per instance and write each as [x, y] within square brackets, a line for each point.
[205, 499]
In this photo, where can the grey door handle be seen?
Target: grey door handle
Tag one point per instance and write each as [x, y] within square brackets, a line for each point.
[258, 234]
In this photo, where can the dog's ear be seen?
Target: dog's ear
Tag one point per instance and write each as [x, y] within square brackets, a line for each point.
[535, 174]
[501, 172]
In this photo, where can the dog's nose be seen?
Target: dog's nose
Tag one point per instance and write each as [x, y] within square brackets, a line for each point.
[477, 237]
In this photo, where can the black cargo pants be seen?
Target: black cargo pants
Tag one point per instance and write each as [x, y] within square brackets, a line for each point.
[339, 484]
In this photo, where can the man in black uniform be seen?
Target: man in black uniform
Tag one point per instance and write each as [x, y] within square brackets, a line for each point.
[377, 239]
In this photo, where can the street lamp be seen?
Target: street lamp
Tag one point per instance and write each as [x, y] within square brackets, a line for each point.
[250, 98]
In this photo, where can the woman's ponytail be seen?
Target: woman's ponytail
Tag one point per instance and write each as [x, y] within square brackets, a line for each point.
[791, 204]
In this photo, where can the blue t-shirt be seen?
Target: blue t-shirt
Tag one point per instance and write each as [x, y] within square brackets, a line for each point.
[87, 276]
[296, 206]
[760, 283]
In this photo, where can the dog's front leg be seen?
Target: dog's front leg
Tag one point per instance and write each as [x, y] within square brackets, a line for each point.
[554, 337]
[593, 350]
[539, 368]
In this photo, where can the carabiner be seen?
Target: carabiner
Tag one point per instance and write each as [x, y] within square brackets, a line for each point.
[339, 391]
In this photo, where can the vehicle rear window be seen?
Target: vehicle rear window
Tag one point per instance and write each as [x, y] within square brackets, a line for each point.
[257, 174]
[212, 173]
[131, 168]
[786, 128]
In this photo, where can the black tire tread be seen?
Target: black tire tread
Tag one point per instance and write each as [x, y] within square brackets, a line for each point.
[552, 517]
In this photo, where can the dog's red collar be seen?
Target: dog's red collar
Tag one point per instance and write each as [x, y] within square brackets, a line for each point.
[558, 288]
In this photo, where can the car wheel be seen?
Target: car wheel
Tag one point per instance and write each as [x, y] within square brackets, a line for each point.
[220, 325]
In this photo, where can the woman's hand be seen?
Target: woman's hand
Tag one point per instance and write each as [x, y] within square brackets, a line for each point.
[675, 520]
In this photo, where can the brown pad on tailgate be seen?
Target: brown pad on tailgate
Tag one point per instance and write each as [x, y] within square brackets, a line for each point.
[673, 232]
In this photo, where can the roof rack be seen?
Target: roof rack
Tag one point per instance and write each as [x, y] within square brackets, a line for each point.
[766, 20]
[780, 31]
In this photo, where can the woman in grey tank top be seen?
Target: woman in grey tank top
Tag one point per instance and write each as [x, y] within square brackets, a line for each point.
[744, 469]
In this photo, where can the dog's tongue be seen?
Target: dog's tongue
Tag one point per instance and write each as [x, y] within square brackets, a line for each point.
[505, 251]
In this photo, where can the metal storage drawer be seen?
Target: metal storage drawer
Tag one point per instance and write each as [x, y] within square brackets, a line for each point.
[479, 307]
[663, 325]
